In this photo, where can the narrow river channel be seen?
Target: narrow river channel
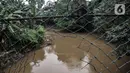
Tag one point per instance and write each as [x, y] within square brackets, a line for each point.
[70, 53]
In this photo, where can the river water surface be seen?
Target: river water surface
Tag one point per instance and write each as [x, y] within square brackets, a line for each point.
[71, 53]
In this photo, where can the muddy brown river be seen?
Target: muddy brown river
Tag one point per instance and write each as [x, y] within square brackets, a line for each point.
[71, 53]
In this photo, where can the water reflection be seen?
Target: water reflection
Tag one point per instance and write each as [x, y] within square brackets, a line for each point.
[66, 56]
[52, 59]
[60, 62]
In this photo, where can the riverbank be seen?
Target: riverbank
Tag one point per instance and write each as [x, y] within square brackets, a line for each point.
[70, 53]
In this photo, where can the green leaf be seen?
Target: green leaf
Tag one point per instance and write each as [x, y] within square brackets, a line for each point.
[19, 12]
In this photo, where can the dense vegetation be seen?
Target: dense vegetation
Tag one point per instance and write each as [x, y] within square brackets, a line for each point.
[75, 9]
[116, 29]
[18, 36]
[22, 31]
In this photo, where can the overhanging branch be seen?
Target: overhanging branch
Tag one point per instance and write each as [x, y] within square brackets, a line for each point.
[34, 18]
[51, 17]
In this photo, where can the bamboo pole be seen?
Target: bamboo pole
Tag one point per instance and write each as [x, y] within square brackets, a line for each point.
[34, 18]
[51, 17]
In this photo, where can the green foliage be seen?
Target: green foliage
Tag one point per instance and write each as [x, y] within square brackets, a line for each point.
[20, 30]
[40, 30]
[66, 7]
[27, 34]
[66, 23]
[117, 30]
[118, 33]
[19, 35]
[33, 35]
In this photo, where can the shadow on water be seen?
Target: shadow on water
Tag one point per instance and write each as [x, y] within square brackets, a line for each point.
[71, 54]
